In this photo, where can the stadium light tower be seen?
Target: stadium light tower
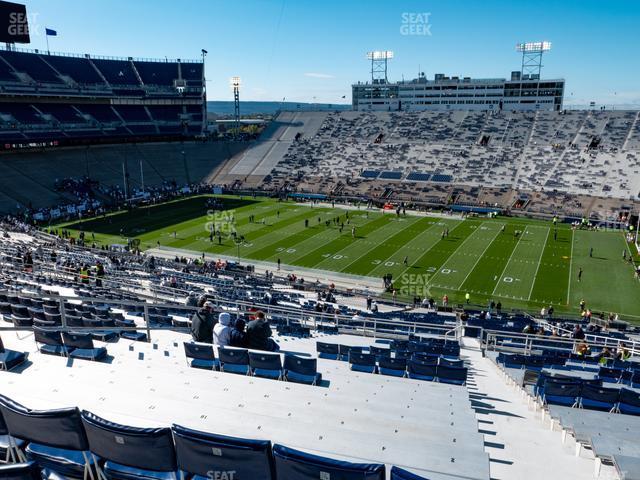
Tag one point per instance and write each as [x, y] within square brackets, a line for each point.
[235, 84]
[379, 60]
[532, 56]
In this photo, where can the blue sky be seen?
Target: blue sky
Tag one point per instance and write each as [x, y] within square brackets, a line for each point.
[310, 50]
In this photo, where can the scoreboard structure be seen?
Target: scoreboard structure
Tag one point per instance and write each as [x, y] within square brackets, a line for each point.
[14, 23]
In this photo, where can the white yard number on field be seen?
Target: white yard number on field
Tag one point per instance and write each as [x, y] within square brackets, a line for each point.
[510, 279]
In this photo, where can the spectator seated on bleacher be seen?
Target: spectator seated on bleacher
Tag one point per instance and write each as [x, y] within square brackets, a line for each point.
[202, 324]
[222, 330]
[259, 334]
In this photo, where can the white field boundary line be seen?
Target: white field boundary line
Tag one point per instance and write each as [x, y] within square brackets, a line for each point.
[521, 299]
[480, 257]
[573, 232]
[535, 275]
[444, 264]
[508, 261]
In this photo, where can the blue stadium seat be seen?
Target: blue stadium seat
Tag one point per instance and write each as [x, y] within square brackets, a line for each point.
[453, 375]
[609, 374]
[380, 351]
[301, 370]
[419, 177]
[77, 68]
[83, 347]
[346, 349]
[10, 359]
[395, 367]
[130, 334]
[8, 445]
[234, 360]
[566, 394]
[201, 355]
[118, 72]
[157, 73]
[370, 174]
[450, 363]
[131, 453]
[398, 473]
[50, 342]
[390, 175]
[599, 398]
[98, 332]
[296, 465]
[20, 471]
[200, 453]
[330, 351]
[362, 362]
[419, 370]
[629, 402]
[57, 440]
[267, 365]
[425, 358]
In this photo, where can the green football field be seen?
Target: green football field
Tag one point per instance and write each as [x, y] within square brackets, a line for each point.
[480, 256]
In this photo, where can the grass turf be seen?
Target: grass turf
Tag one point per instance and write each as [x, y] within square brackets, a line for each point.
[479, 256]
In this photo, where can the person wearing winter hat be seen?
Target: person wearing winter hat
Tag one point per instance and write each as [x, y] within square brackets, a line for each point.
[202, 323]
[222, 330]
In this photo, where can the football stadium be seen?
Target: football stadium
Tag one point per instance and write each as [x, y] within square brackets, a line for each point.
[379, 277]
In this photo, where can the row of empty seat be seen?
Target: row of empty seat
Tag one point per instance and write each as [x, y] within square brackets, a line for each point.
[77, 443]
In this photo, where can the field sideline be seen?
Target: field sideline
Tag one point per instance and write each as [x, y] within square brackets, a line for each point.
[480, 256]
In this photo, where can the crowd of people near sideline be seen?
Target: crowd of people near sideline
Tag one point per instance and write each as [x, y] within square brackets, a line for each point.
[94, 199]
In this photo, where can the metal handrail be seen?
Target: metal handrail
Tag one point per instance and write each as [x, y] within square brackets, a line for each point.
[490, 339]
[366, 325]
[600, 340]
[97, 57]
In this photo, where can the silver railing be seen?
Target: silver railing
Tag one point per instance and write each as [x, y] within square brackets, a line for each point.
[144, 312]
[508, 342]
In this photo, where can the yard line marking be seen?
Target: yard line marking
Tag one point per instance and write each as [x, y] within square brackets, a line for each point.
[480, 257]
[508, 261]
[451, 255]
[535, 275]
[433, 246]
[421, 251]
[408, 227]
[364, 241]
[570, 267]
[331, 237]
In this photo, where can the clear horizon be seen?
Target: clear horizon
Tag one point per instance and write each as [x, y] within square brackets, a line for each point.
[312, 52]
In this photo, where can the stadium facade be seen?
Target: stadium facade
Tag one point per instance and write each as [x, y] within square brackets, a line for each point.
[65, 99]
[520, 93]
